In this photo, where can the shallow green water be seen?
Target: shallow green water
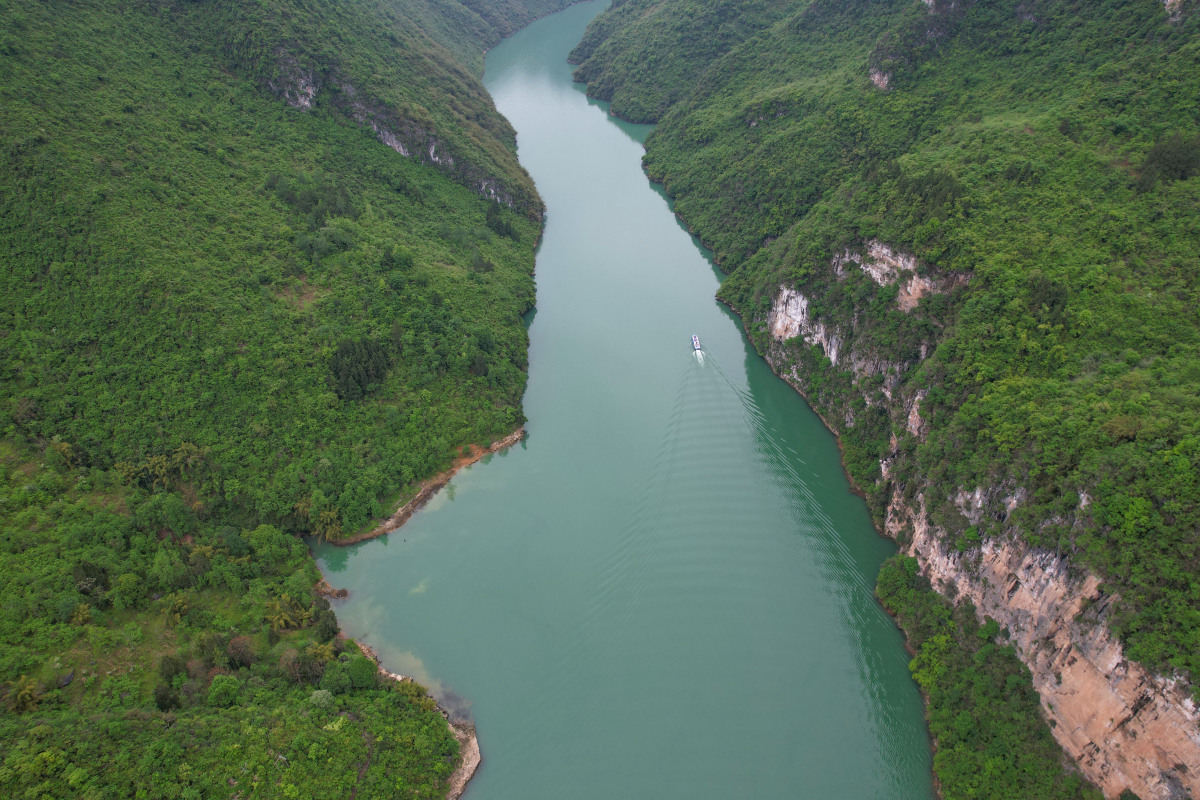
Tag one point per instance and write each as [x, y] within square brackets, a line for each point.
[665, 591]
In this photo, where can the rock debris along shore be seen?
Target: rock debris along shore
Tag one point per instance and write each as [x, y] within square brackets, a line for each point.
[469, 759]
[1125, 726]
[323, 589]
[430, 487]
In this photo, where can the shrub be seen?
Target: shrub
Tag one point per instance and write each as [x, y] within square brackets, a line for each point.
[165, 697]
[322, 699]
[169, 666]
[1174, 158]
[336, 679]
[363, 672]
[327, 626]
[240, 651]
[224, 691]
[128, 592]
[357, 367]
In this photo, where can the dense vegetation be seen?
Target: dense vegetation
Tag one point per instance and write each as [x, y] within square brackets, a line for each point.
[188, 259]
[264, 269]
[643, 57]
[1039, 159]
[147, 655]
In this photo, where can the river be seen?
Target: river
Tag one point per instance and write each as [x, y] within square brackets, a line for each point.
[666, 590]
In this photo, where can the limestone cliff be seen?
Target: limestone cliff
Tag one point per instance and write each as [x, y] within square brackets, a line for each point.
[1127, 727]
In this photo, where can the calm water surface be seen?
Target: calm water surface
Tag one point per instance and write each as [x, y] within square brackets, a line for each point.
[665, 591]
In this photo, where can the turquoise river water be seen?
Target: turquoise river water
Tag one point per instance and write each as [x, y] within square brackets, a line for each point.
[666, 590]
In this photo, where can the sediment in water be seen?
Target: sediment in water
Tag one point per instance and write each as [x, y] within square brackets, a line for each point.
[429, 488]
[468, 741]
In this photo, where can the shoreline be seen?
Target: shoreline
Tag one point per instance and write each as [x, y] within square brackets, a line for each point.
[429, 488]
[880, 529]
[469, 757]
[468, 740]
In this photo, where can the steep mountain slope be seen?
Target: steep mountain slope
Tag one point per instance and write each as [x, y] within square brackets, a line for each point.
[190, 259]
[966, 231]
[264, 270]
[644, 57]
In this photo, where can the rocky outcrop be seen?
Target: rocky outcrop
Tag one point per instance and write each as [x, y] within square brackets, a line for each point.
[469, 759]
[880, 261]
[293, 84]
[887, 266]
[1125, 726]
[298, 86]
[412, 140]
[790, 318]
[323, 589]
[912, 420]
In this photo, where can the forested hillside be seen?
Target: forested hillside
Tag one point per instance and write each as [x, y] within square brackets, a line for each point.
[967, 231]
[264, 270]
[192, 260]
[643, 57]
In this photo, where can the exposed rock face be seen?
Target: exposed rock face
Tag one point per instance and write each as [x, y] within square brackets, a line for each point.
[1126, 727]
[879, 78]
[298, 86]
[886, 266]
[789, 318]
[294, 84]
[913, 423]
[913, 289]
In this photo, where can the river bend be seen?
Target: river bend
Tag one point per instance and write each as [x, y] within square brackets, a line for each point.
[666, 590]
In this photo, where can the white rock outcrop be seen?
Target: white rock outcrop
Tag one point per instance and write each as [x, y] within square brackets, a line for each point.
[887, 266]
[789, 318]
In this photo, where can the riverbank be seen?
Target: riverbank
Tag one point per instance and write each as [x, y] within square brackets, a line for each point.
[468, 741]
[430, 487]
[469, 758]
[650, 528]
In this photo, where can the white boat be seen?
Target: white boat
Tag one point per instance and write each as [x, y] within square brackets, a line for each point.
[695, 342]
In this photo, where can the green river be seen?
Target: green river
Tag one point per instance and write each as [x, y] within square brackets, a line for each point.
[666, 590]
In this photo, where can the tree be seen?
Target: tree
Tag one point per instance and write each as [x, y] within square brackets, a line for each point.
[165, 697]
[328, 525]
[285, 613]
[24, 694]
[358, 365]
[240, 651]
